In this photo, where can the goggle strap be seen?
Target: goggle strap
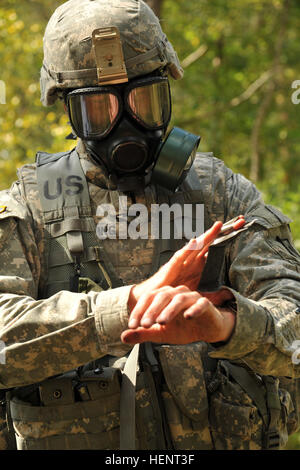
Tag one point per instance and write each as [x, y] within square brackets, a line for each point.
[59, 77]
[154, 52]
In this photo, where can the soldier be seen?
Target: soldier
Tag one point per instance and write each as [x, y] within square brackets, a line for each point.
[212, 333]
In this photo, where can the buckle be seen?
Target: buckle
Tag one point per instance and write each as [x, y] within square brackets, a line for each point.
[271, 440]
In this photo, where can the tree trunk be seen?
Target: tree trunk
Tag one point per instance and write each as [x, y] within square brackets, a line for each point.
[260, 117]
[272, 86]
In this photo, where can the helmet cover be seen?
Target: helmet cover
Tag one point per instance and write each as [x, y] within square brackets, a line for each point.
[69, 59]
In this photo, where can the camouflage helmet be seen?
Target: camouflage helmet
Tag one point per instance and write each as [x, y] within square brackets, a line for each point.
[69, 58]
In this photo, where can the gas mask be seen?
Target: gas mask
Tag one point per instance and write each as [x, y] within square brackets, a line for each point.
[124, 130]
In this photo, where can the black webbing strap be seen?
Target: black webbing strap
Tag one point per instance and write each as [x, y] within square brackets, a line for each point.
[271, 436]
[265, 397]
[212, 278]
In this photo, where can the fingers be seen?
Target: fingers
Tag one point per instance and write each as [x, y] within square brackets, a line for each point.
[185, 268]
[150, 306]
[206, 323]
[176, 306]
[159, 302]
[154, 334]
[198, 308]
[162, 306]
[203, 241]
[141, 306]
[239, 223]
[165, 304]
[196, 248]
[196, 245]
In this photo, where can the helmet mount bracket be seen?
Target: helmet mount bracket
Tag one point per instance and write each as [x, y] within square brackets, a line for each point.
[107, 47]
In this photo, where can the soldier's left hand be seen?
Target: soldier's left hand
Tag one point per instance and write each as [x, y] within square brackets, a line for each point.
[184, 268]
[178, 316]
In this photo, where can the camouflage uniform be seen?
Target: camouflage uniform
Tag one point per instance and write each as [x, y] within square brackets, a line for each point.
[45, 337]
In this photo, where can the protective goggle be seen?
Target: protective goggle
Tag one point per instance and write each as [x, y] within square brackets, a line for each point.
[94, 112]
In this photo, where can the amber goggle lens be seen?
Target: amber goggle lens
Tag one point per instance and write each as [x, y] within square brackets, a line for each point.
[93, 114]
[150, 104]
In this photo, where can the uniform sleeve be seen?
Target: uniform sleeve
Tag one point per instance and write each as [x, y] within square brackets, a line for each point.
[42, 338]
[264, 277]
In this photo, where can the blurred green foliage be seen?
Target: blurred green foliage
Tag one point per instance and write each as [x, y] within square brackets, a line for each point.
[237, 95]
[25, 126]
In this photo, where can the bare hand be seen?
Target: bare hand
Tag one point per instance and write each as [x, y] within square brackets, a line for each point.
[178, 316]
[184, 268]
[167, 308]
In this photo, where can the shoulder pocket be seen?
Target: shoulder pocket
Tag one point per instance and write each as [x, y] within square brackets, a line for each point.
[10, 210]
[268, 216]
[10, 207]
[279, 237]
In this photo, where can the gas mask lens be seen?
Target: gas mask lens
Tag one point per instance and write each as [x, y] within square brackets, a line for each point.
[93, 114]
[150, 103]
